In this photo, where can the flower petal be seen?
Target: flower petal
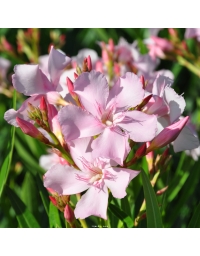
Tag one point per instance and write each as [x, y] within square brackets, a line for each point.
[127, 90]
[30, 80]
[81, 148]
[77, 123]
[187, 140]
[63, 180]
[93, 202]
[123, 177]
[176, 103]
[57, 62]
[93, 91]
[142, 127]
[111, 144]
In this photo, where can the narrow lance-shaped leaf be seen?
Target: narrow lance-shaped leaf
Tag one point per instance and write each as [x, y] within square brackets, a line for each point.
[54, 218]
[152, 210]
[23, 215]
[43, 193]
[195, 220]
[121, 215]
[9, 152]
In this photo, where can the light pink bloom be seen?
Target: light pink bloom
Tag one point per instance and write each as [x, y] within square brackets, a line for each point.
[165, 100]
[106, 113]
[30, 80]
[192, 33]
[158, 46]
[96, 175]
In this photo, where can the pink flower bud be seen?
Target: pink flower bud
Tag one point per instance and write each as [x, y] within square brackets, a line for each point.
[43, 104]
[70, 86]
[167, 135]
[75, 75]
[141, 151]
[53, 200]
[28, 128]
[89, 63]
[111, 45]
[69, 214]
[142, 81]
[31, 130]
[105, 56]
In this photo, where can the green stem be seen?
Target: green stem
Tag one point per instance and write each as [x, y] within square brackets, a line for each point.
[182, 61]
[57, 145]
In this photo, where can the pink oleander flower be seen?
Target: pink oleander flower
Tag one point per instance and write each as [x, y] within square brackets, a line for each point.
[158, 46]
[165, 100]
[168, 106]
[31, 81]
[192, 33]
[107, 114]
[96, 175]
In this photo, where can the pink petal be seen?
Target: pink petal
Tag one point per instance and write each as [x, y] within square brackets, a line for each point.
[11, 114]
[93, 202]
[142, 127]
[119, 185]
[93, 90]
[156, 106]
[186, 140]
[127, 90]
[160, 84]
[81, 148]
[176, 103]
[30, 80]
[63, 180]
[111, 144]
[77, 123]
[57, 62]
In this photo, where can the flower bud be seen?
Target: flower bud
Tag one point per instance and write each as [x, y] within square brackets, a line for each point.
[31, 130]
[167, 135]
[69, 214]
[89, 63]
[141, 151]
[142, 81]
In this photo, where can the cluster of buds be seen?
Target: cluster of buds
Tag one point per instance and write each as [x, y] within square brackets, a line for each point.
[176, 49]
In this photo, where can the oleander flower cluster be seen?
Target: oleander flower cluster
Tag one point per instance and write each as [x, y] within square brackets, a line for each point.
[91, 116]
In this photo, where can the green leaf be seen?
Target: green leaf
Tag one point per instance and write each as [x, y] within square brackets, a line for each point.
[121, 215]
[152, 210]
[27, 157]
[43, 193]
[195, 220]
[9, 152]
[24, 217]
[54, 218]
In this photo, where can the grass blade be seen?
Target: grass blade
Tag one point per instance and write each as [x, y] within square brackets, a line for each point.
[54, 218]
[9, 152]
[23, 215]
[195, 220]
[152, 210]
[121, 215]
